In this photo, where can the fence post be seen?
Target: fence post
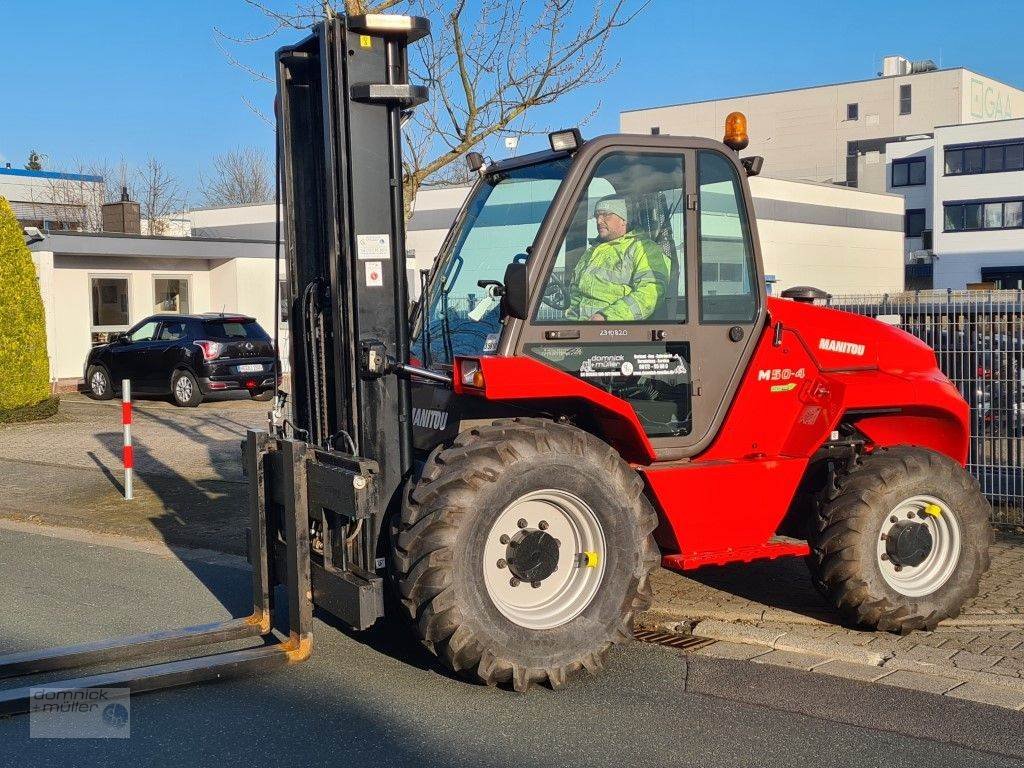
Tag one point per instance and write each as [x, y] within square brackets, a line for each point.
[126, 421]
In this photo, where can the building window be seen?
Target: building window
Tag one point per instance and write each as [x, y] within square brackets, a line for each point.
[109, 307]
[656, 130]
[913, 222]
[983, 215]
[904, 99]
[285, 301]
[993, 157]
[853, 111]
[909, 172]
[171, 295]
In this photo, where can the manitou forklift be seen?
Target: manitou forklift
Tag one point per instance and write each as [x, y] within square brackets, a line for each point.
[504, 468]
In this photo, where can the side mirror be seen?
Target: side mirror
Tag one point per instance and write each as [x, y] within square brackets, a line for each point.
[514, 302]
[119, 338]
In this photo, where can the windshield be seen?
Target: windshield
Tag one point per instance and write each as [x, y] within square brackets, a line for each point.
[500, 224]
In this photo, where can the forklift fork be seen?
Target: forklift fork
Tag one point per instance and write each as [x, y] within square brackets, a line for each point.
[280, 646]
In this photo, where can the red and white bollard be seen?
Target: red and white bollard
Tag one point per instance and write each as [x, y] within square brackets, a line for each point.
[126, 420]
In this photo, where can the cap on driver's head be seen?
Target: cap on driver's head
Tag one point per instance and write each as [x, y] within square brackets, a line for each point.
[615, 204]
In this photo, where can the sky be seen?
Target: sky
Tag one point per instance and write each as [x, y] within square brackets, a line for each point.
[106, 80]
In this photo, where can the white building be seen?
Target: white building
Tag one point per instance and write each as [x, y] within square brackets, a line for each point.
[53, 201]
[964, 192]
[94, 284]
[839, 133]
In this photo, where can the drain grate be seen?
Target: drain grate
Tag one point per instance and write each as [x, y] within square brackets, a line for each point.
[672, 640]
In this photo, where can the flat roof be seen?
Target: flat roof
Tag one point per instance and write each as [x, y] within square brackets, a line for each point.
[806, 88]
[145, 246]
[982, 122]
[49, 175]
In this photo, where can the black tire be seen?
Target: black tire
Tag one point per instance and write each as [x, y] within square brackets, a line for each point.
[178, 394]
[844, 559]
[107, 387]
[447, 514]
[262, 397]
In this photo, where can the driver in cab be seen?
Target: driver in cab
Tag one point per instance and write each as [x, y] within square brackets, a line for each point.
[623, 277]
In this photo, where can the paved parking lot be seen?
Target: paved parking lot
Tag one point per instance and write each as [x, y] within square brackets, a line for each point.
[189, 488]
[375, 699]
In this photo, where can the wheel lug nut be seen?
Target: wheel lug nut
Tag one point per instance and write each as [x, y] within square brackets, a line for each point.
[899, 567]
[504, 539]
[535, 584]
[543, 525]
[892, 519]
[502, 563]
[910, 515]
[513, 582]
[885, 556]
[885, 537]
[521, 523]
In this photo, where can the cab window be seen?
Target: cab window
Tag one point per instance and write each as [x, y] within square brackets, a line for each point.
[623, 257]
[728, 291]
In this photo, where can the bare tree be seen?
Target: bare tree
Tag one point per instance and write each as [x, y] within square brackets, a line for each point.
[76, 197]
[239, 177]
[488, 65]
[159, 195]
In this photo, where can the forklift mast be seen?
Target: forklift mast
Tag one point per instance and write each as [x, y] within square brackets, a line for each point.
[342, 92]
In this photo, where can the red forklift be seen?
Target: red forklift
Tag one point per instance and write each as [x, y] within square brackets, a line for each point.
[503, 464]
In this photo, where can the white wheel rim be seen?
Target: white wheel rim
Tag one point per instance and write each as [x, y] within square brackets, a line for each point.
[940, 563]
[566, 593]
[98, 383]
[183, 389]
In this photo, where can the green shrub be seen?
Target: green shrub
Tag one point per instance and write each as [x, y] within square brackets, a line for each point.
[24, 366]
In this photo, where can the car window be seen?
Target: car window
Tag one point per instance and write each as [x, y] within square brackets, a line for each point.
[234, 329]
[144, 332]
[172, 332]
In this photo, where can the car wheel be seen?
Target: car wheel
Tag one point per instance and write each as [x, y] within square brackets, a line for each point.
[98, 383]
[185, 390]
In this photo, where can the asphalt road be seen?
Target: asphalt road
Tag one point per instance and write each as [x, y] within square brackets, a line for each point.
[373, 701]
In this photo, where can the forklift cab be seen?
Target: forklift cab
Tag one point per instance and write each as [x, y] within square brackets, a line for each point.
[521, 236]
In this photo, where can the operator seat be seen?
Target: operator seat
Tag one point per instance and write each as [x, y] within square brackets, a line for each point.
[649, 216]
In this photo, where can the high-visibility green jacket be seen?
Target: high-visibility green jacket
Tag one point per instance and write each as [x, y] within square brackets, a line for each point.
[623, 279]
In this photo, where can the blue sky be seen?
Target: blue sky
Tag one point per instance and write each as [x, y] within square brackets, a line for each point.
[106, 79]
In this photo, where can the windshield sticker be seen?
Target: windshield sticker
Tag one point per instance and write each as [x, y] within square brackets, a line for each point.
[491, 342]
[558, 354]
[650, 365]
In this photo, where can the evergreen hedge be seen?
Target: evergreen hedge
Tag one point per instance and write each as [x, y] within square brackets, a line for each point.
[24, 366]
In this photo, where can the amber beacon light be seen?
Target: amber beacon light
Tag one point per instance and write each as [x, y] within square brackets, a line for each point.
[736, 131]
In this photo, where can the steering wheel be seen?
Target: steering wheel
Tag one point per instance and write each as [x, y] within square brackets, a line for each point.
[556, 295]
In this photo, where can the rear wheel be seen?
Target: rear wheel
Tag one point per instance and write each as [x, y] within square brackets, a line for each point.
[524, 552]
[185, 390]
[902, 540]
[98, 381]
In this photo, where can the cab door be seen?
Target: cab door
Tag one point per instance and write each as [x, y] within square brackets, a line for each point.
[678, 359]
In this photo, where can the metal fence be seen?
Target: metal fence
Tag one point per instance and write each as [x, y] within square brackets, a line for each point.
[978, 338]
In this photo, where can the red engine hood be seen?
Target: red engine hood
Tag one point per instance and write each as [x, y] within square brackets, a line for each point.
[843, 341]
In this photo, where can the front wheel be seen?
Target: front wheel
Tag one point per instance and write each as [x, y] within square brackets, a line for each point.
[98, 382]
[902, 540]
[524, 552]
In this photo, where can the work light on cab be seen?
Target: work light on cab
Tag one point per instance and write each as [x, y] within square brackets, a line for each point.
[568, 140]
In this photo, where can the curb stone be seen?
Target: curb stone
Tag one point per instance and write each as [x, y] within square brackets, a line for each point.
[853, 662]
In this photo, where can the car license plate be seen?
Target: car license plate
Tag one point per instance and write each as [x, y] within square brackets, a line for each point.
[252, 368]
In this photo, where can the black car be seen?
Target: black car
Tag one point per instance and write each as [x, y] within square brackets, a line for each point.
[185, 356]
